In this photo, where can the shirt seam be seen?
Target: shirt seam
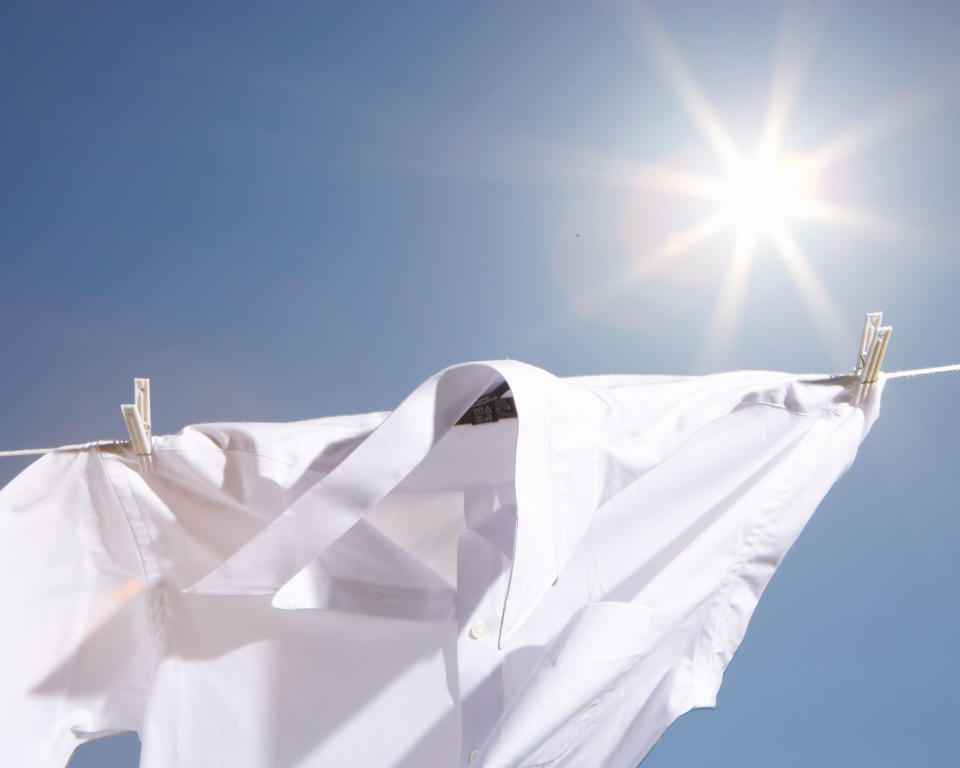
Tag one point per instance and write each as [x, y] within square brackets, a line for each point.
[140, 544]
[126, 519]
[723, 603]
[240, 451]
[559, 526]
[696, 683]
[823, 410]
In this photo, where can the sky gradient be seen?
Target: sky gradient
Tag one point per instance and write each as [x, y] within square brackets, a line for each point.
[284, 211]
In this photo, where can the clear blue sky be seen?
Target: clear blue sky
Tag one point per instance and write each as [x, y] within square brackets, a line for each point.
[282, 211]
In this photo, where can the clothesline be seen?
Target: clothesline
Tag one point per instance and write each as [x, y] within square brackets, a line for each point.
[76, 447]
[38, 451]
[923, 371]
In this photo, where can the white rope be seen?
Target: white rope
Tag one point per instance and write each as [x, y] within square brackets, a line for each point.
[924, 371]
[77, 447]
[28, 451]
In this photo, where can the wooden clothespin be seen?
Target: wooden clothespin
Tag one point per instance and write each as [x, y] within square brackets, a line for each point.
[873, 346]
[137, 418]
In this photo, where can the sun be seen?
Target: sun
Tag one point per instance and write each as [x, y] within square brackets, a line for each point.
[758, 197]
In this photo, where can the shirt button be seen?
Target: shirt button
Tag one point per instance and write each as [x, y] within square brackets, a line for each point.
[474, 755]
[477, 631]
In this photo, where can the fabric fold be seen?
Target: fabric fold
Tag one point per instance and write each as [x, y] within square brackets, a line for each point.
[271, 561]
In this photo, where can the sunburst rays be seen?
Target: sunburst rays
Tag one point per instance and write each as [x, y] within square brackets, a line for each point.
[762, 192]
[759, 195]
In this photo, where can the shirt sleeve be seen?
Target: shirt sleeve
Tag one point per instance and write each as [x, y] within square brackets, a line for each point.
[696, 535]
[77, 651]
[785, 493]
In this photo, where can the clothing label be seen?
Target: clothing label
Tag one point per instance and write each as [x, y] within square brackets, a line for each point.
[493, 406]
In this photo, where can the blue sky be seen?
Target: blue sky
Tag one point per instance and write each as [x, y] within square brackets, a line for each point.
[282, 211]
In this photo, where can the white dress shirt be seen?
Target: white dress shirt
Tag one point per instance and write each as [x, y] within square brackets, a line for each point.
[395, 589]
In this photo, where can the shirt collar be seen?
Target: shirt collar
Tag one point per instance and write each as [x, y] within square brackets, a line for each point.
[299, 534]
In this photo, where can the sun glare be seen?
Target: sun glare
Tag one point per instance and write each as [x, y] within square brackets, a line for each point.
[759, 197]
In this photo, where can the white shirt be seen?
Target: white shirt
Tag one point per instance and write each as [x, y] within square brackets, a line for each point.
[548, 590]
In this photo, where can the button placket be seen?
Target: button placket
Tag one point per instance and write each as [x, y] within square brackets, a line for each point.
[482, 575]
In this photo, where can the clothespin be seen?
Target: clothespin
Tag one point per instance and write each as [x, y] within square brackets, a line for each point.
[873, 346]
[137, 418]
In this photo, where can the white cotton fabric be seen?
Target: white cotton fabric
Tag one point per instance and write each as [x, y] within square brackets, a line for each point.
[394, 590]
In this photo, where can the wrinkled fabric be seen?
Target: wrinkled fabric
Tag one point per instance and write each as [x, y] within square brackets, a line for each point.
[394, 590]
